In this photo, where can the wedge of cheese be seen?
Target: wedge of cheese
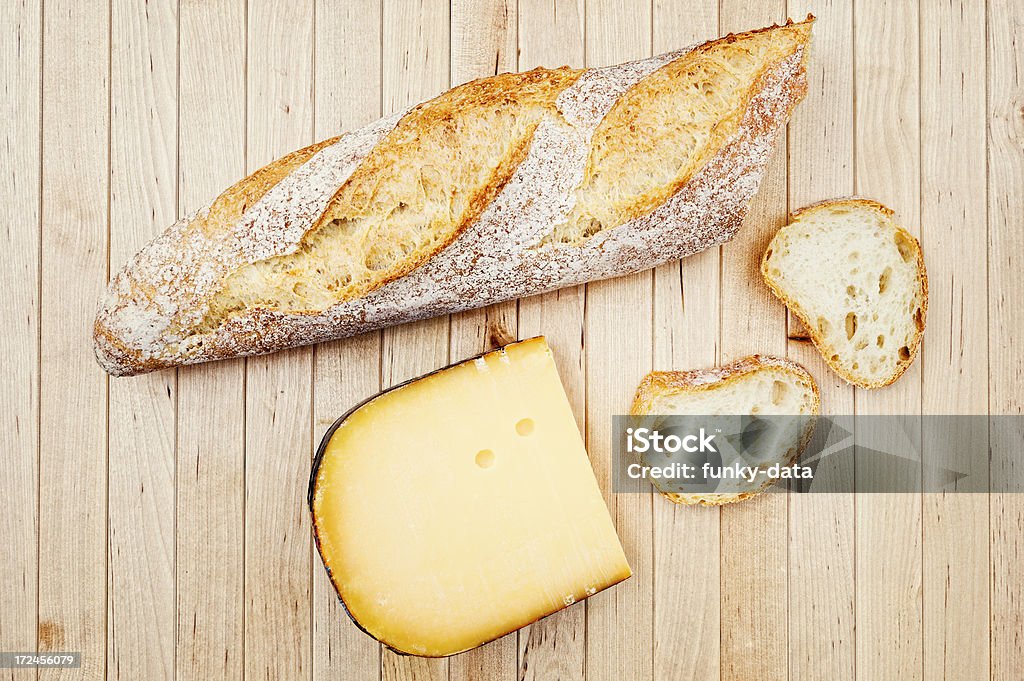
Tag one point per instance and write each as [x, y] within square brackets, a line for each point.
[461, 506]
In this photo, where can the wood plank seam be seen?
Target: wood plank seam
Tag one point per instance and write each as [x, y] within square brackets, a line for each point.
[39, 327]
[177, 377]
[311, 426]
[821, 631]
[106, 379]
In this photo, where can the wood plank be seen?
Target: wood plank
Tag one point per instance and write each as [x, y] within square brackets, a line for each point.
[687, 300]
[887, 168]
[754, 557]
[483, 43]
[143, 202]
[211, 397]
[955, 577]
[278, 388]
[551, 34]
[20, 83]
[620, 631]
[73, 441]
[415, 66]
[822, 586]
[555, 647]
[347, 89]
[484, 38]
[1006, 329]
[346, 372]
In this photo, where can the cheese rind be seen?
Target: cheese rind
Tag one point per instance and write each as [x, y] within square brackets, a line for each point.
[461, 506]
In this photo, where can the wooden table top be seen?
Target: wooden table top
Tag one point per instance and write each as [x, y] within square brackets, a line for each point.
[158, 524]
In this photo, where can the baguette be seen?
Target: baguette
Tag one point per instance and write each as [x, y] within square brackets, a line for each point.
[500, 188]
[857, 281]
[757, 385]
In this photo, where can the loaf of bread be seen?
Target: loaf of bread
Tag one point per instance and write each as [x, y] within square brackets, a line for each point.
[500, 188]
[857, 281]
[777, 389]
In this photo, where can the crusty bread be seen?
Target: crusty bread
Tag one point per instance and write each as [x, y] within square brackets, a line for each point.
[499, 188]
[758, 385]
[857, 281]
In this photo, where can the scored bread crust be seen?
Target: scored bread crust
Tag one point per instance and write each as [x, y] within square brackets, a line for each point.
[826, 350]
[152, 307]
[657, 383]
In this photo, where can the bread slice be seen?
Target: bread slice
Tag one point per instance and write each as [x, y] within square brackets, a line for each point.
[759, 385]
[857, 280]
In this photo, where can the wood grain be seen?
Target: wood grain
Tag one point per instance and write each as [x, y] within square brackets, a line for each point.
[555, 647]
[143, 201]
[1005, 196]
[73, 394]
[347, 94]
[158, 524]
[687, 316]
[415, 66]
[620, 627]
[551, 34]
[754, 577]
[822, 586]
[888, 169]
[955, 526]
[20, 85]
[278, 389]
[211, 398]
[484, 43]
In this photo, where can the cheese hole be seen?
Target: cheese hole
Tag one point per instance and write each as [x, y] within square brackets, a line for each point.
[485, 458]
[524, 427]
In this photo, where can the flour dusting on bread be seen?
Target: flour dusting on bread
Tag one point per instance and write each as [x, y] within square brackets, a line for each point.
[171, 305]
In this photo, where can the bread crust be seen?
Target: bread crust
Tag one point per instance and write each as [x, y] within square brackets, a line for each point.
[656, 383]
[153, 305]
[823, 347]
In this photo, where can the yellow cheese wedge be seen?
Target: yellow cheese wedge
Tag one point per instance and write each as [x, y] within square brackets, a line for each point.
[461, 506]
